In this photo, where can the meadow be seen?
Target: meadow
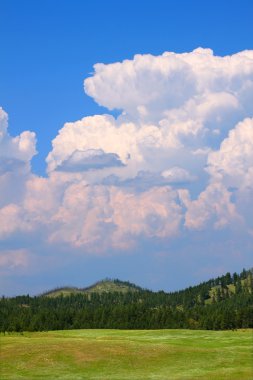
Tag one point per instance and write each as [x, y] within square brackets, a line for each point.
[127, 355]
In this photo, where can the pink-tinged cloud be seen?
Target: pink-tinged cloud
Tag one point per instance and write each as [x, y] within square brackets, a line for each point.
[213, 208]
[13, 219]
[12, 259]
[102, 217]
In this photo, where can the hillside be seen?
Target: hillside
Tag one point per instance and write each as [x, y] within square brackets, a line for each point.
[208, 292]
[225, 302]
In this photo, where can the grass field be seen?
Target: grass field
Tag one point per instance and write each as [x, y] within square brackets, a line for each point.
[127, 355]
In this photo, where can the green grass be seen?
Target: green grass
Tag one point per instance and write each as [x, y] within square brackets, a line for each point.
[127, 355]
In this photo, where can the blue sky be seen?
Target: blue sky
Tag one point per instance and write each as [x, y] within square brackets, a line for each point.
[48, 49]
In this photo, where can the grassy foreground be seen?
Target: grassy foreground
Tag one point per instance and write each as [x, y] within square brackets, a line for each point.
[129, 355]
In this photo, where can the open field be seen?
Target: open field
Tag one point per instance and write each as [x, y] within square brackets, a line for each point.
[127, 355]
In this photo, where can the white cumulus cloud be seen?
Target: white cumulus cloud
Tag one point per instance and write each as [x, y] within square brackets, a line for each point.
[177, 159]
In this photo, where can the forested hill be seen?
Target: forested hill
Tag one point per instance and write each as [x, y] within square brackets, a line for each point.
[225, 302]
[104, 286]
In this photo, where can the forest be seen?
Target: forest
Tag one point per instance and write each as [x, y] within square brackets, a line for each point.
[223, 303]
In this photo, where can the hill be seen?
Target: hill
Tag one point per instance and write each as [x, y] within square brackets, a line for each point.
[103, 286]
[225, 302]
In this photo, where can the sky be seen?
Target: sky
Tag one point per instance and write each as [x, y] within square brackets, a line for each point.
[126, 142]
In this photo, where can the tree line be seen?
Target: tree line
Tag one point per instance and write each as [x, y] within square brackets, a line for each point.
[225, 302]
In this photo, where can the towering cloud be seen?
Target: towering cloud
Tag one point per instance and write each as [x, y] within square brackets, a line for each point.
[178, 158]
[17, 150]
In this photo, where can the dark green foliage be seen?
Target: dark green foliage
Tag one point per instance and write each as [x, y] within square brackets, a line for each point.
[222, 303]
